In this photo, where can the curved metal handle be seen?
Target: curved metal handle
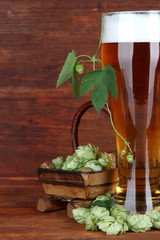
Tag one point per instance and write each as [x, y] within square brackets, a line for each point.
[76, 121]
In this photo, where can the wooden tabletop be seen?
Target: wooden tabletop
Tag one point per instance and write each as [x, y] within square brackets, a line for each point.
[19, 219]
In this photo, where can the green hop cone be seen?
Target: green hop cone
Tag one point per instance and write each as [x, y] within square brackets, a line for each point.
[99, 213]
[88, 152]
[156, 225]
[119, 212]
[130, 158]
[90, 225]
[112, 227]
[96, 214]
[139, 222]
[105, 160]
[58, 162]
[154, 215]
[123, 152]
[72, 163]
[79, 69]
[80, 214]
[93, 164]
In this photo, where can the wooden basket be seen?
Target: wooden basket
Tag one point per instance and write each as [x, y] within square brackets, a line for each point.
[83, 185]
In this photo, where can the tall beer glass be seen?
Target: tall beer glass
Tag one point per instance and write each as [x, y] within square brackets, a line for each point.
[131, 45]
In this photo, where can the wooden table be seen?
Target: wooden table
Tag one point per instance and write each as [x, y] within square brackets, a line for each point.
[19, 218]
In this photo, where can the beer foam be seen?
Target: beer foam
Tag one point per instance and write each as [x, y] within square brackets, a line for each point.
[131, 27]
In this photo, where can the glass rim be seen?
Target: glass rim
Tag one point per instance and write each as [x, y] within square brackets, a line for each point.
[133, 12]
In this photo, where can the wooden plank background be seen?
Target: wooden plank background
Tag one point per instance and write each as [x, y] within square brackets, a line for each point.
[35, 118]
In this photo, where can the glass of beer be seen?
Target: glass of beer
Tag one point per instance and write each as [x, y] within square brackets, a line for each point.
[131, 45]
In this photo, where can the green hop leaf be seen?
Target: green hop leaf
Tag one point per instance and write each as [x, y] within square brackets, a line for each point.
[111, 81]
[75, 85]
[79, 68]
[107, 196]
[99, 97]
[68, 68]
[90, 79]
[104, 78]
[105, 203]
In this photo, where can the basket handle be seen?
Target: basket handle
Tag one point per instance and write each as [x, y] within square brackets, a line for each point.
[76, 121]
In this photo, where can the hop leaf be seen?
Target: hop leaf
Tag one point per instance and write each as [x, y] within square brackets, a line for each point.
[90, 79]
[68, 68]
[111, 81]
[105, 79]
[107, 196]
[99, 97]
[75, 85]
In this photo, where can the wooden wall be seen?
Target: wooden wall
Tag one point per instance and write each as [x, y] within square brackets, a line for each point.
[36, 118]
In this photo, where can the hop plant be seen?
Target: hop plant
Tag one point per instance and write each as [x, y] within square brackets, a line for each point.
[90, 224]
[84, 156]
[102, 80]
[96, 214]
[154, 215]
[90, 216]
[112, 227]
[139, 222]
[71, 163]
[99, 213]
[79, 68]
[80, 214]
[58, 162]
[88, 152]
[113, 220]
[93, 164]
[119, 212]
[105, 160]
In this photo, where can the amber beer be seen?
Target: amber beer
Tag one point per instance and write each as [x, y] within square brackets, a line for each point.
[131, 46]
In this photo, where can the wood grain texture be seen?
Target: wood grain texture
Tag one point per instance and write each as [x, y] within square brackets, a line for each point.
[19, 220]
[35, 118]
